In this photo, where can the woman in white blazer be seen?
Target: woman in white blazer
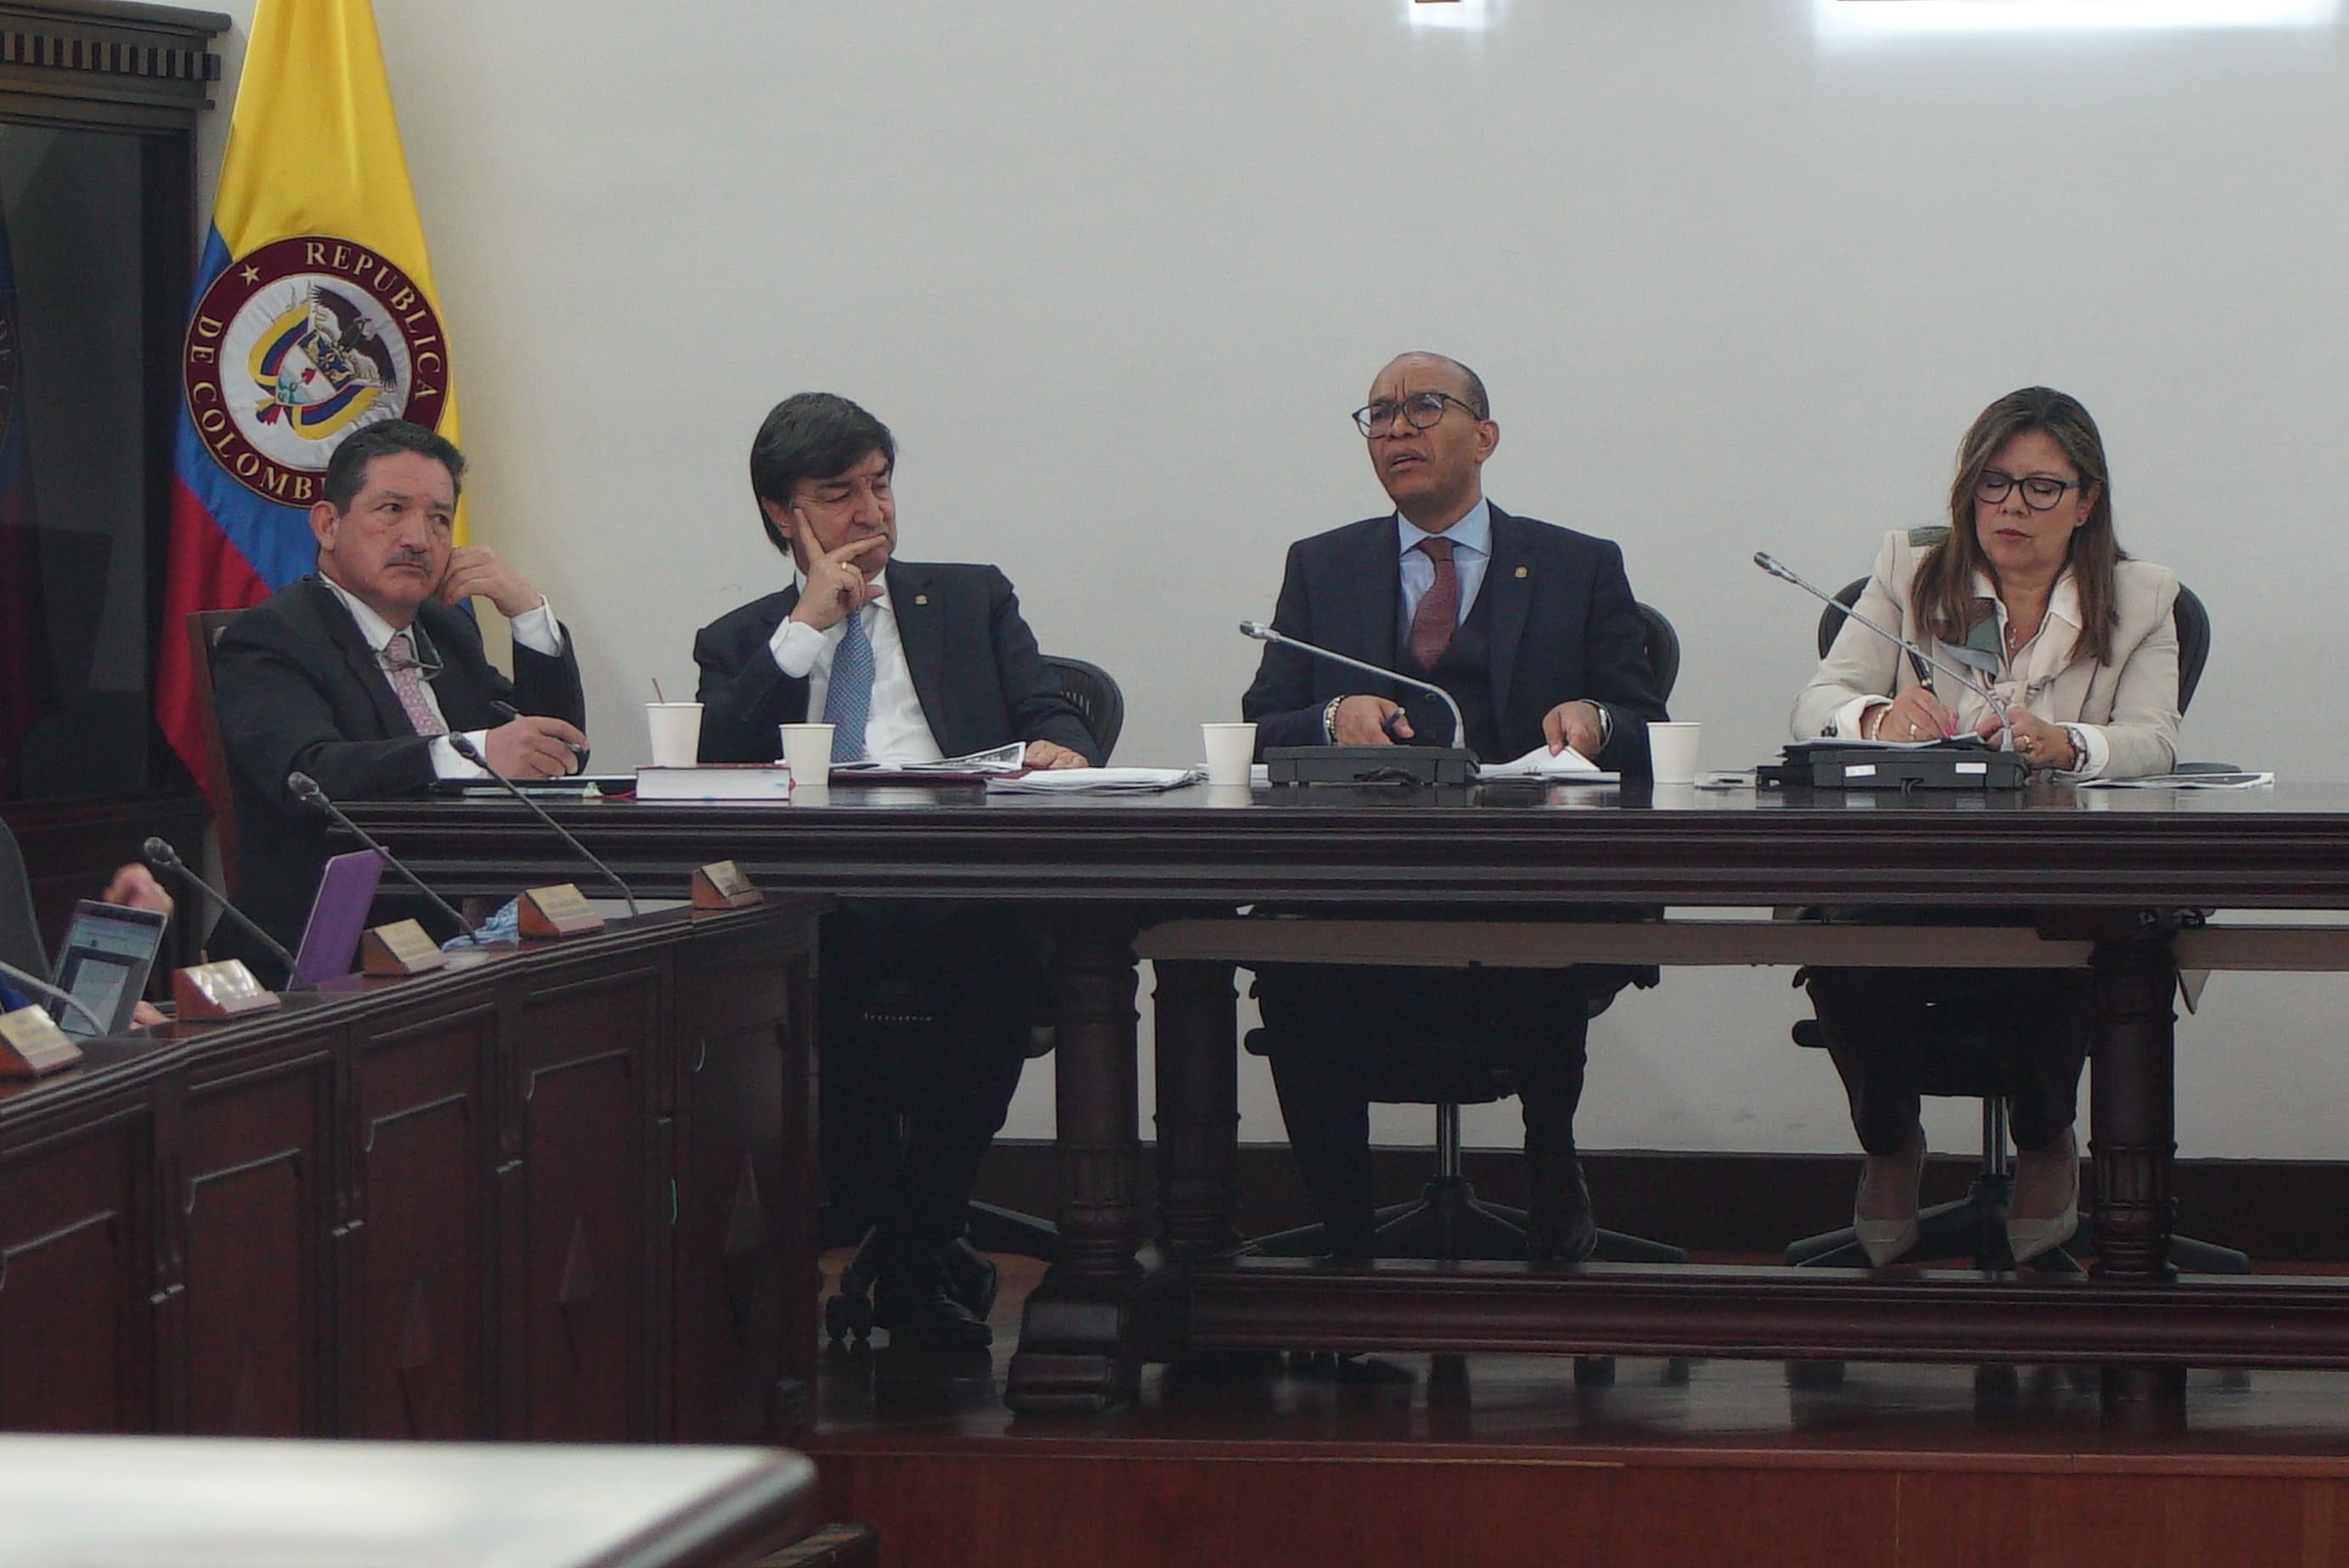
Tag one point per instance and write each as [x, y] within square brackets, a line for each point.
[2029, 586]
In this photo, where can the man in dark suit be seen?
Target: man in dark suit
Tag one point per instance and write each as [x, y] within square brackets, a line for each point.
[1533, 631]
[908, 662]
[358, 676]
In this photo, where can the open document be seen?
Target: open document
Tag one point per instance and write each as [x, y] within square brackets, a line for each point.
[1006, 758]
[1568, 766]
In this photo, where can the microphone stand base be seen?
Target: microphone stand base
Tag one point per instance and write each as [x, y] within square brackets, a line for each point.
[1370, 764]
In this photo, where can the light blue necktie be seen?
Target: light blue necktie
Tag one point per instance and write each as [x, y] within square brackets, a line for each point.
[848, 697]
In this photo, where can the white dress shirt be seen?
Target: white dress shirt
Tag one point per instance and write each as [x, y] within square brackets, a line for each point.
[536, 630]
[2026, 675]
[898, 731]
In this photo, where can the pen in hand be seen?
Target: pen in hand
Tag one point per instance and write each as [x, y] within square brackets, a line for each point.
[512, 711]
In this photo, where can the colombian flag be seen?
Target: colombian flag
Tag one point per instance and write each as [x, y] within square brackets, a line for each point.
[315, 316]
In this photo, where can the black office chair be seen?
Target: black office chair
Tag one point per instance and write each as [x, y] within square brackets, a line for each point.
[1429, 1059]
[896, 1031]
[1964, 1064]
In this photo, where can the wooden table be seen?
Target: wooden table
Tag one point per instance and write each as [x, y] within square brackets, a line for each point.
[141, 1502]
[560, 1193]
[2106, 870]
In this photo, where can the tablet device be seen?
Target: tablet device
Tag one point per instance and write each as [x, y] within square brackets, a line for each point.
[338, 915]
[108, 950]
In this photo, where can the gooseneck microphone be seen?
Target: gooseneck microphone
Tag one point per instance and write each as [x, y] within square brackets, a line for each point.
[1778, 569]
[1264, 633]
[471, 753]
[164, 858]
[35, 982]
[306, 790]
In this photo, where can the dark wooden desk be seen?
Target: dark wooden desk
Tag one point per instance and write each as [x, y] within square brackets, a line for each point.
[564, 1192]
[2098, 866]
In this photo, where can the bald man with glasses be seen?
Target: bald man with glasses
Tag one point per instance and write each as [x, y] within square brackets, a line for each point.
[1532, 629]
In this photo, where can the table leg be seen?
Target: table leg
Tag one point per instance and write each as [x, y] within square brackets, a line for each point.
[2133, 1137]
[1198, 1109]
[1079, 1347]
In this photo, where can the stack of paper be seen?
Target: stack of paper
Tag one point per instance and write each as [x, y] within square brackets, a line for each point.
[1098, 780]
[1568, 766]
[2182, 781]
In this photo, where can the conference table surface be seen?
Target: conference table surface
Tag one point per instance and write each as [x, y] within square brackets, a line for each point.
[2108, 869]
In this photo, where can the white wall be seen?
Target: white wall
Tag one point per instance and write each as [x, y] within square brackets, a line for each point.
[1116, 272]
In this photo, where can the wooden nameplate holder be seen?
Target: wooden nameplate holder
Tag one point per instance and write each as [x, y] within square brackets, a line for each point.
[31, 1046]
[222, 990]
[557, 911]
[721, 885]
[399, 948]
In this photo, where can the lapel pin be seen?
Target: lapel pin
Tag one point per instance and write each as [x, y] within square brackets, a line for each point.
[1525, 571]
[921, 598]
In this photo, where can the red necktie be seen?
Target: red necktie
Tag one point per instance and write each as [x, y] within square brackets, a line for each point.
[1438, 615]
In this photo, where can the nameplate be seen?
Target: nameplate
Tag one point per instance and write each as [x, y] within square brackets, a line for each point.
[400, 948]
[31, 1044]
[222, 990]
[720, 885]
[557, 911]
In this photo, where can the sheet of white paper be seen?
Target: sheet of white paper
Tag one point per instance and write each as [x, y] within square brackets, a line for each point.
[1097, 780]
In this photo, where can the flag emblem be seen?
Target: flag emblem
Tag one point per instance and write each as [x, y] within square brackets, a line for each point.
[298, 344]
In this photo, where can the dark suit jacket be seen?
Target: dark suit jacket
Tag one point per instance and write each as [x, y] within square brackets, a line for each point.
[973, 661]
[297, 688]
[1564, 627]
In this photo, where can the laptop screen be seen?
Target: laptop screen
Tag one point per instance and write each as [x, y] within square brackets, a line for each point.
[337, 916]
[108, 950]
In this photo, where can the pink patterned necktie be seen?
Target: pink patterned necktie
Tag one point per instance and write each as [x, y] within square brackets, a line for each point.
[1438, 615]
[408, 682]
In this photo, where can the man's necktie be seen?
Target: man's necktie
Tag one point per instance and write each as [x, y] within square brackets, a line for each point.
[1438, 615]
[848, 698]
[408, 683]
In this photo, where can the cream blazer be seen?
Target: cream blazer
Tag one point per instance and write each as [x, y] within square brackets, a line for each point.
[2132, 703]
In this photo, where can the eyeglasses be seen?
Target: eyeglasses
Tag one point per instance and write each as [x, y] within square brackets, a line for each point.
[1421, 410]
[2040, 493]
[427, 662]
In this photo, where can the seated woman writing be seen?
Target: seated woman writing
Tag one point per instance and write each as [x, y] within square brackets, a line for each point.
[2029, 588]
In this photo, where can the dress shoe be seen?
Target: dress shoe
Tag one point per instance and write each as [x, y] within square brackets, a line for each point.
[1884, 1215]
[1558, 1226]
[2047, 1207]
[913, 1301]
[971, 1276]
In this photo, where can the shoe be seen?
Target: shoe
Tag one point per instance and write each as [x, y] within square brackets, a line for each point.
[913, 1301]
[971, 1276]
[1884, 1214]
[1558, 1226]
[2047, 1207]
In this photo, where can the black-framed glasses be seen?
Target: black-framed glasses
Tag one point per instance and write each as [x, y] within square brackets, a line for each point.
[2040, 493]
[1419, 410]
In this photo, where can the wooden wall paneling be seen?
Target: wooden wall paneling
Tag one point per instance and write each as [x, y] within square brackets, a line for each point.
[76, 1320]
[256, 1205]
[415, 1310]
[585, 1265]
[744, 1376]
